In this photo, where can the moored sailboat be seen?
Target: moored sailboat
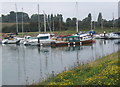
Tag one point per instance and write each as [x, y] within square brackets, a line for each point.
[40, 40]
[113, 35]
[10, 41]
[72, 40]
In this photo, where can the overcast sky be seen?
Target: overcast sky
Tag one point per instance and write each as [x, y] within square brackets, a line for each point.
[67, 9]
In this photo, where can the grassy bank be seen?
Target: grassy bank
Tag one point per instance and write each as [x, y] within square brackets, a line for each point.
[68, 32]
[103, 71]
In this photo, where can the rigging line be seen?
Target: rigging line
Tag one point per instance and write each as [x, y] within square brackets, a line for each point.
[22, 24]
[44, 21]
[16, 18]
[77, 16]
[38, 19]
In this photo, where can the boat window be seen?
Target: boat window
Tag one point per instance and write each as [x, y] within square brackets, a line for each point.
[45, 37]
[70, 38]
[81, 38]
[64, 39]
[33, 38]
[76, 38]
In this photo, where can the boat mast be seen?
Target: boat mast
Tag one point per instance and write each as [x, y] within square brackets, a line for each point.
[91, 22]
[53, 26]
[113, 19]
[38, 19]
[22, 23]
[60, 23]
[49, 26]
[16, 19]
[94, 21]
[101, 23]
[94, 24]
[77, 17]
[44, 21]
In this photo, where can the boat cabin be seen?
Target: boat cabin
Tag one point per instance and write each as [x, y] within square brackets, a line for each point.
[43, 36]
[71, 38]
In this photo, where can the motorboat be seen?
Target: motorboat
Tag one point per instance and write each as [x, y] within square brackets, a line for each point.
[72, 40]
[113, 35]
[40, 40]
[10, 41]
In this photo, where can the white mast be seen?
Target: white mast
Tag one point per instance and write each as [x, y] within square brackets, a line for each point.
[91, 22]
[44, 21]
[94, 21]
[22, 23]
[77, 17]
[38, 19]
[102, 23]
[60, 23]
[53, 26]
[49, 26]
[76, 25]
[16, 19]
[113, 19]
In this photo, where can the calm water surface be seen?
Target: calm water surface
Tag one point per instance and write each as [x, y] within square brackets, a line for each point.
[24, 65]
[0, 65]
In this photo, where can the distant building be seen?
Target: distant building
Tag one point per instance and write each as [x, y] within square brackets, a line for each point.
[118, 9]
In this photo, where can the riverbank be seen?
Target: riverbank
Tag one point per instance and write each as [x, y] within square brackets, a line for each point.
[103, 71]
[68, 32]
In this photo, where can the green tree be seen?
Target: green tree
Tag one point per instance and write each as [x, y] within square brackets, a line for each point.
[68, 22]
[99, 20]
[89, 20]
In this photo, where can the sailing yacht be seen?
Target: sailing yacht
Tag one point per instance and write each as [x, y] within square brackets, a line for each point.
[40, 40]
[11, 39]
[43, 39]
[83, 35]
[112, 35]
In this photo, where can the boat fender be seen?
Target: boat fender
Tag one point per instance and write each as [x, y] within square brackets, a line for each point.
[41, 44]
[68, 43]
[73, 45]
[53, 43]
[80, 43]
[73, 42]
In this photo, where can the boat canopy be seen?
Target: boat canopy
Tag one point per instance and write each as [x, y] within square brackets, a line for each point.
[41, 38]
[72, 38]
[43, 35]
[118, 33]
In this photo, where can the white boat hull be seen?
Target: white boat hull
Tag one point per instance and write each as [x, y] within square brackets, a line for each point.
[6, 41]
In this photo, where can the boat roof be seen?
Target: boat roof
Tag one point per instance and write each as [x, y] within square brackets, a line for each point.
[70, 37]
[117, 33]
[42, 35]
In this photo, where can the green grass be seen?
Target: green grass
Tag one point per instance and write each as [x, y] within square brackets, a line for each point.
[7, 24]
[72, 31]
[103, 71]
[108, 30]
[69, 32]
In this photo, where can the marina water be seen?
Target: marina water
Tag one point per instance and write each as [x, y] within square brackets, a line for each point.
[25, 65]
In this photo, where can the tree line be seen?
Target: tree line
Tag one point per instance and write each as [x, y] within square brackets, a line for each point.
[53, 22]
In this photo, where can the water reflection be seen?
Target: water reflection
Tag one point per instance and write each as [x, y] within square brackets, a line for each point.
[0, 66]
[31, 64]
